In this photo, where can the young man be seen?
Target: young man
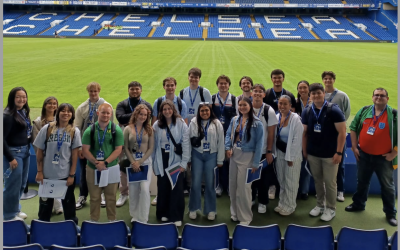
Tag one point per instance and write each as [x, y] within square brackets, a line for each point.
[268, 118]
[224, 108]
[340, 98]
[101, 146]
[323, 140]
[123, 112]
[374, 143]
[192, 96]
[85, 116]
[246, 84]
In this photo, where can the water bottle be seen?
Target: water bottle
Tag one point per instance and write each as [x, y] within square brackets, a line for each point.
[7, 173]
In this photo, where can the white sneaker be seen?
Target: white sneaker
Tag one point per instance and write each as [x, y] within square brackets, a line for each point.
[103, 201]
[178, 223]
[316, 211]
[22, 215]
[122, 199]
[283, 212]
[277, 209]
[154, 202]
[218, 191]
[80, 202]
[164, 219]
[193, 215]
[328, 214]
[246, 223]
[17, 218]
[57, 207]
[234, 218]
[262, 208]
[271, 192]
[340, 196]
[133, 219]
[211, 216]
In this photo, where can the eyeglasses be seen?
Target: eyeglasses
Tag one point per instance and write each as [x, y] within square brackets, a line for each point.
[381, 96]
[204, 103]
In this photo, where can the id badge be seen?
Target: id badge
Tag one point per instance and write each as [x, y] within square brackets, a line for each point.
[317, 128]
[56, 159]
[100, 155]
[191, 111]
[222, 119]
[239, 144]
[138, 155]
[371, 130]
[206, 146]
[167, 148]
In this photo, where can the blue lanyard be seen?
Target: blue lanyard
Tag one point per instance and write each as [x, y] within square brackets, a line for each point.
[206, 129]
[132, 109]
[190, 95]
[273, 91]
[240, 129]
[222, 107]
[333, 95]
[101, 141]
[28, 123]
[376, 118]
[139, 138]
[166, 132]
[91, 110]
[259, 112]
[302, 105]
[319, 113]
[279, 123]
[59, 143]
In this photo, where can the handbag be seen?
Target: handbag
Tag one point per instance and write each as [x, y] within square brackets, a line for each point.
[281, 145]
[178, 146]
[196, 141]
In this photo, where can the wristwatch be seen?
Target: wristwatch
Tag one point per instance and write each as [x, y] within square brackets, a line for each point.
[269, 151]
[339, 153]
[71, 175]
[106, 163]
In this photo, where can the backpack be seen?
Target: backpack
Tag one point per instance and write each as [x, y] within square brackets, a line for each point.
[92, 129]
[159, 101]
[233, 100]
[394, 112]
[200, 92]
[266, 109]
[50, 127]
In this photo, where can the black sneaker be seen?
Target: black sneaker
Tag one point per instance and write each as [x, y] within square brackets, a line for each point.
[80, 202]
[353, 208]
[304, 197]
[392, 220]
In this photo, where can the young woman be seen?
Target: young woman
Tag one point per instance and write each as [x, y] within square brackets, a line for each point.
[47, 115]
[243, 144]
[17, 132]
[139, 146]
[303, 99]
[57, 155]
[289, 134]
[207, 153]
[170, 203]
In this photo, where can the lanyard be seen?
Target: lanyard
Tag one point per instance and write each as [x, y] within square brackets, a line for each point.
[132, 109]
[59, 143]
[240, 129]
[101, 141]
[190, 95]
[206, 129]
[302, 105]
[376, 118]
[166, 132]
[333, 95]
[273, 91]
[91, 110]
[139, 138]
[28, 123]
[279, 123]
[222, 107]
[259, 112]
[319, 113]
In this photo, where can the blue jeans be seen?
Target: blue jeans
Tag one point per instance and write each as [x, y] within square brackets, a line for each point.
[15, 184]
[367, 165]
[203, 164]
[304, 183]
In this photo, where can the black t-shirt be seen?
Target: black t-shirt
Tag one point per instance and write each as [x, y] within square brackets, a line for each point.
[123, 111]
[272, 100]
[322, 144]
[14, 135]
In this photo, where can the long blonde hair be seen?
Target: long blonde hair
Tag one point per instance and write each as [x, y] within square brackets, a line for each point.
[146, 124]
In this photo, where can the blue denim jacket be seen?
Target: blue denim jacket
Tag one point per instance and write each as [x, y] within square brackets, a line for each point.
[256, 142]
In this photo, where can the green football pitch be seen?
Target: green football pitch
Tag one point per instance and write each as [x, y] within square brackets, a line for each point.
[63, 67]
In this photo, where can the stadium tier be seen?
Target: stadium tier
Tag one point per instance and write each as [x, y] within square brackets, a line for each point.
[244, 26]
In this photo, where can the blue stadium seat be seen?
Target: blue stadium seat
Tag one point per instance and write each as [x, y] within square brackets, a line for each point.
[15, 233]
[153, 235]
[108, 234]
[25, 247]
[393, 241]
[93, 247]
[357, 239]
[256, 238]
[127, 248]
[308, 238]
[62, 233]
[197, 237]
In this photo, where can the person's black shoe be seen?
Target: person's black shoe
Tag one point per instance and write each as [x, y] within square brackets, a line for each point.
[304, 197]
[392, 220]
[353, 208]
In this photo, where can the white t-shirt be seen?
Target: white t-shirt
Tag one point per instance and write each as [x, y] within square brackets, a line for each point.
[272, 120]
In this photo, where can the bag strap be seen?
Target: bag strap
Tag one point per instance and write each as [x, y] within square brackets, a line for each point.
[159, 101]
[172, 138]
[179, 100]
[266, 109]
[181, 94]
[201, 94]
[233, 99]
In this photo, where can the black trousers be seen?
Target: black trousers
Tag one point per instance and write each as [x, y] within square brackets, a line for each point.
[46, 206]
[83, 189]
[170, 203]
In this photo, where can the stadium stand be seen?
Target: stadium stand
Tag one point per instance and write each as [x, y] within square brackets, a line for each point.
[373, 28]
[231, 26]
[391, 14]
[180, 26]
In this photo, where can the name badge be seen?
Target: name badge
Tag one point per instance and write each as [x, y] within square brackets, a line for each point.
[167, 148]
[239, 144]
[56, 158]
[206, 146]
[191, 111]
[222, 119]
[371, 130]
[138, 155]
[317, 128]
[100, 155]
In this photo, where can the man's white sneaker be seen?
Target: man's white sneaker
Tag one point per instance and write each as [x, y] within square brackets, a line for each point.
[277, 209]
[211, 216]
[271, 192]
[283, 212]
[193, 215]
[57, 207]
[133, 219]
[22, 215]
[80, 202]
[178, 223]
[122, 199]
[246, 223]
[154, 202]
[328, 214]
[218, 191]
[340, 196]
[17, 218]
[234, 218]
[103, 201]
[262, 208]
[164, 219]
[316, 211]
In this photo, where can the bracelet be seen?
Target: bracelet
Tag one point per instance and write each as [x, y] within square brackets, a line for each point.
[339, 153]
[71, 175]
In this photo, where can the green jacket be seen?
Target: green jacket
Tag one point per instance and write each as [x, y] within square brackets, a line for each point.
[366, 112]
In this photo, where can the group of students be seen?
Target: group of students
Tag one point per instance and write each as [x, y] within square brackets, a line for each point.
[196, 132]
